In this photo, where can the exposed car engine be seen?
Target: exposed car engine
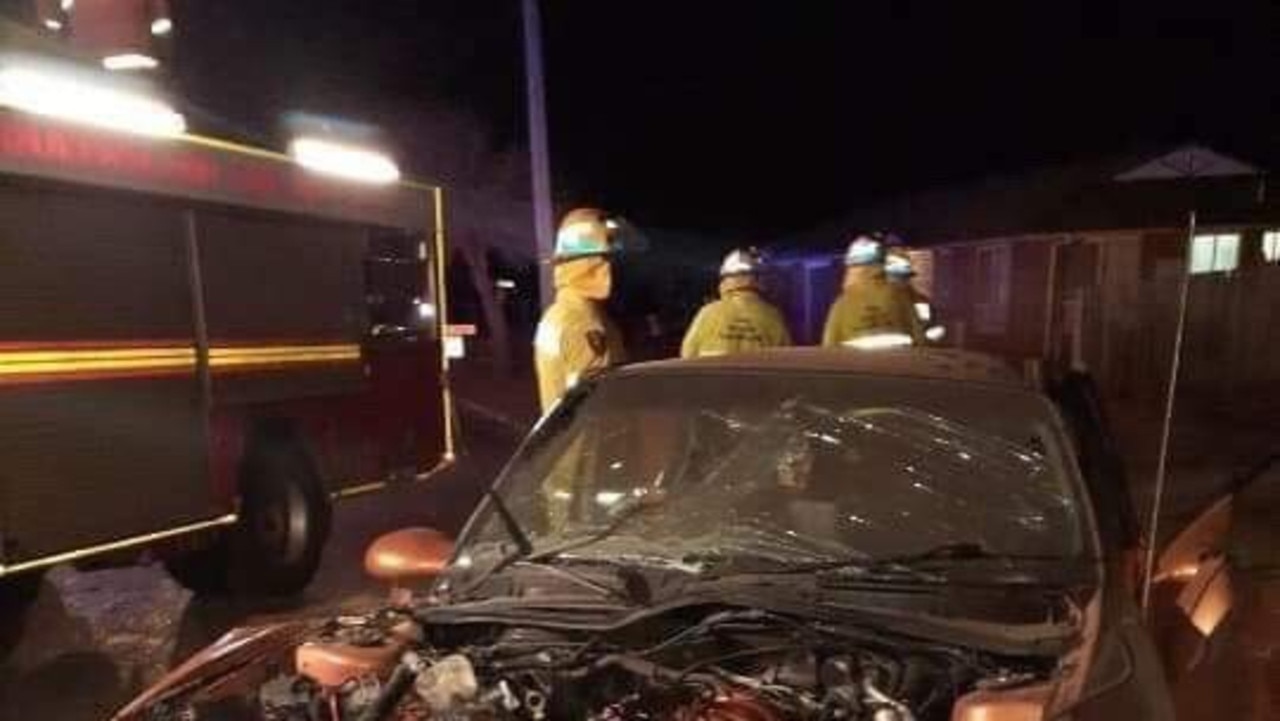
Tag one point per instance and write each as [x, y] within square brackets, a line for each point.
[702, 664]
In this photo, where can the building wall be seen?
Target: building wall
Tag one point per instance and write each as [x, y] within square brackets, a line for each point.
[991, 295]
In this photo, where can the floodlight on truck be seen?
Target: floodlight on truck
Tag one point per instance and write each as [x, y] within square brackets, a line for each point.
[341, 160]
[79, 97]
[130, 61]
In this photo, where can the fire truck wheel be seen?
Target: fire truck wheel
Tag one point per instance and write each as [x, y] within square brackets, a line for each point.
[284, 523]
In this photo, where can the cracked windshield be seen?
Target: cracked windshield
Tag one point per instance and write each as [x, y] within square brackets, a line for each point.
[762, 470]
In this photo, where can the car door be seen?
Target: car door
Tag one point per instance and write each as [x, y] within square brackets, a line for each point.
[1216, 602]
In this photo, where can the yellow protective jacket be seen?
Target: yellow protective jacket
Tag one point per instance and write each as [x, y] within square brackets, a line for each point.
[740, 321]
[574, 338]
[868, 305]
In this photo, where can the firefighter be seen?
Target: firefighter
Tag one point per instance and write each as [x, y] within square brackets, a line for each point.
[869, 312]
[901, 274]
[575, 338]
[741, 319]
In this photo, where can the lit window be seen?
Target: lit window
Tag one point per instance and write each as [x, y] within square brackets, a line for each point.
[1215, 253]
[1271, 246]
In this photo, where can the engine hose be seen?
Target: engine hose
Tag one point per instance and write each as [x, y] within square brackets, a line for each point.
[397, 686]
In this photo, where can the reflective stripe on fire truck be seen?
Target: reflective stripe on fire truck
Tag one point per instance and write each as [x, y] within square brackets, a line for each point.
[34, 364]
[31, 363]
[248, 357]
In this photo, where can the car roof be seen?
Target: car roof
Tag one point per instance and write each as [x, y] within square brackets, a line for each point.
[943, 364]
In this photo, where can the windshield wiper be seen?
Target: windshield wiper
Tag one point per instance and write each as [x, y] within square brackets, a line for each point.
[911, 567]
[523, 545]
[621, 517]
[523, 553]
[956, 551]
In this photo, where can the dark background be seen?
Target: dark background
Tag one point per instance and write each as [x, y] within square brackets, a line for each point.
[752, 116]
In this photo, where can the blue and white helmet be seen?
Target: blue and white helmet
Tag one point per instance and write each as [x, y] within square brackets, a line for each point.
[865, 250]
[897, 264]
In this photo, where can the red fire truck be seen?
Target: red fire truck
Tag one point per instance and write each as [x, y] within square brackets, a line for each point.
[202, 345]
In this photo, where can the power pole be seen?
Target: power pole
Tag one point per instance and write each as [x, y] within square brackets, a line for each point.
[538, 152]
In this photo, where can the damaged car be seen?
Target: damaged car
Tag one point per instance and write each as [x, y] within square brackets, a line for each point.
[810, 535]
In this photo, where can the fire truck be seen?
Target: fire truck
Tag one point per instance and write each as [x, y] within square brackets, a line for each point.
[203, 346]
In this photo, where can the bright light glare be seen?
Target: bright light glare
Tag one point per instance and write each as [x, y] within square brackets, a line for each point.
[344, 161]
[130, 61]
[880, 341]
[161, 26]
[609, 498]
[52, 24]
[426, 311]
[52, 95]
[924, 312]
[935, 333]
[68, 5]
[505, 284]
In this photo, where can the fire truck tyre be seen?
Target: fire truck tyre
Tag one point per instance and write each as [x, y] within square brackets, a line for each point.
[16, 595]
[284, 523]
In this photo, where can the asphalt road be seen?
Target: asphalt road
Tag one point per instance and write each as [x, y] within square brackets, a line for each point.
[93, 640]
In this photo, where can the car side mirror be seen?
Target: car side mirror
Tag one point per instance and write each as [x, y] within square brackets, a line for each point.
[406, 556]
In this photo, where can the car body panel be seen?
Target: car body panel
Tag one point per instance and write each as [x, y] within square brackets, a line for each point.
[240, 659]
[1111, 668]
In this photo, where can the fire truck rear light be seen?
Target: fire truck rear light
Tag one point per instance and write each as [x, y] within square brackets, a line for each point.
[344, 161]
[130, 61]
[69, 98]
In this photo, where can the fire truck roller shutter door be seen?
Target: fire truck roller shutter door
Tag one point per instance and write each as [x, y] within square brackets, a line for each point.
[99, 396]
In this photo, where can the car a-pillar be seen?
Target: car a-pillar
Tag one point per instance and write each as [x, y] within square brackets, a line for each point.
[284, 518]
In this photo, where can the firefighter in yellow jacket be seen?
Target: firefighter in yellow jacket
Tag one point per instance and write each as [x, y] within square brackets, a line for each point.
[901, 274]
[869, 312]
[741, 319]
[575, 338]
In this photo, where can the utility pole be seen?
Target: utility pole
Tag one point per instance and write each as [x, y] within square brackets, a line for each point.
[538, 152]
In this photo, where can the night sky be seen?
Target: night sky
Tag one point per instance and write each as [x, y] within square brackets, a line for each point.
[754, 117]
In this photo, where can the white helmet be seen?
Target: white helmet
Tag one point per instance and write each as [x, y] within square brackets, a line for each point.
[865, 250]
[897, 264]
[742, 262]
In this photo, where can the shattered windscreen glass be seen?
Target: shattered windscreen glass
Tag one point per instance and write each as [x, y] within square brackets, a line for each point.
[793, 468]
